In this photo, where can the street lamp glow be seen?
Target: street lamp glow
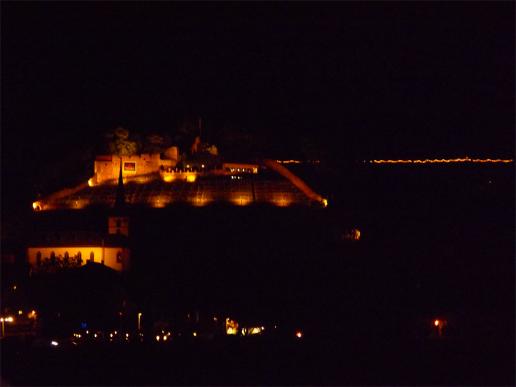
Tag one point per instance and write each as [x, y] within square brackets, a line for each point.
[139, 320]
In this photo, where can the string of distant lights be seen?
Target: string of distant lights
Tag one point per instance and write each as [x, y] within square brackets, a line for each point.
[444, 161]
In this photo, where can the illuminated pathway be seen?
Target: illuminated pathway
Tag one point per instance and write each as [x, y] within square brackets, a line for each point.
[444, 161]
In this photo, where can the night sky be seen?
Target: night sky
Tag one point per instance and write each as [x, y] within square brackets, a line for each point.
[369, 80]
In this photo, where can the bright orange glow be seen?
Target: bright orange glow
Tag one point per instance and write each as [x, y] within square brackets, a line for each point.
[37, 206]
[32, 314]
[325, 203]
[231, 327]
[281, 201]
[168, 178]
[241, 200]
[160, 201]
[157, 338]
[299, 334]
[90, 182]
[190, 178]
[20, 312]
[442, 161]
[436, 323]
[200, 201]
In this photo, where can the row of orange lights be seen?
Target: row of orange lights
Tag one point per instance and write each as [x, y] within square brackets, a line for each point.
[442, 161]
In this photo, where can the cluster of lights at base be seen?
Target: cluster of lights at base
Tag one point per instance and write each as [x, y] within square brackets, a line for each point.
[163, 336]
[444, 161]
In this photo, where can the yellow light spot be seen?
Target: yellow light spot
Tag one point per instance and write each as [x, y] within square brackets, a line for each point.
[299, 334]
[157, 337]
[20, 312]
[36, 206]
[194, 334]
[165, 338]
[255, 330]
[231, 327]
[168, 178]
[90, 182]
[325, 202]
[436, 323]
[190, 178]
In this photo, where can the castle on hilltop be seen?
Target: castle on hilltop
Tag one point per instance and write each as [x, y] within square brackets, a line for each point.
[163, 179]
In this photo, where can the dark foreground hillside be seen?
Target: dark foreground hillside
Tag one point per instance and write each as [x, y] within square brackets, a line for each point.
[434, 244]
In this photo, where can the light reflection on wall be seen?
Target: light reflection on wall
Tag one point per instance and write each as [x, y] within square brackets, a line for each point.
[201, 200]
[160, 201]
[241, 199]
[282, 200]
[79, 203]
